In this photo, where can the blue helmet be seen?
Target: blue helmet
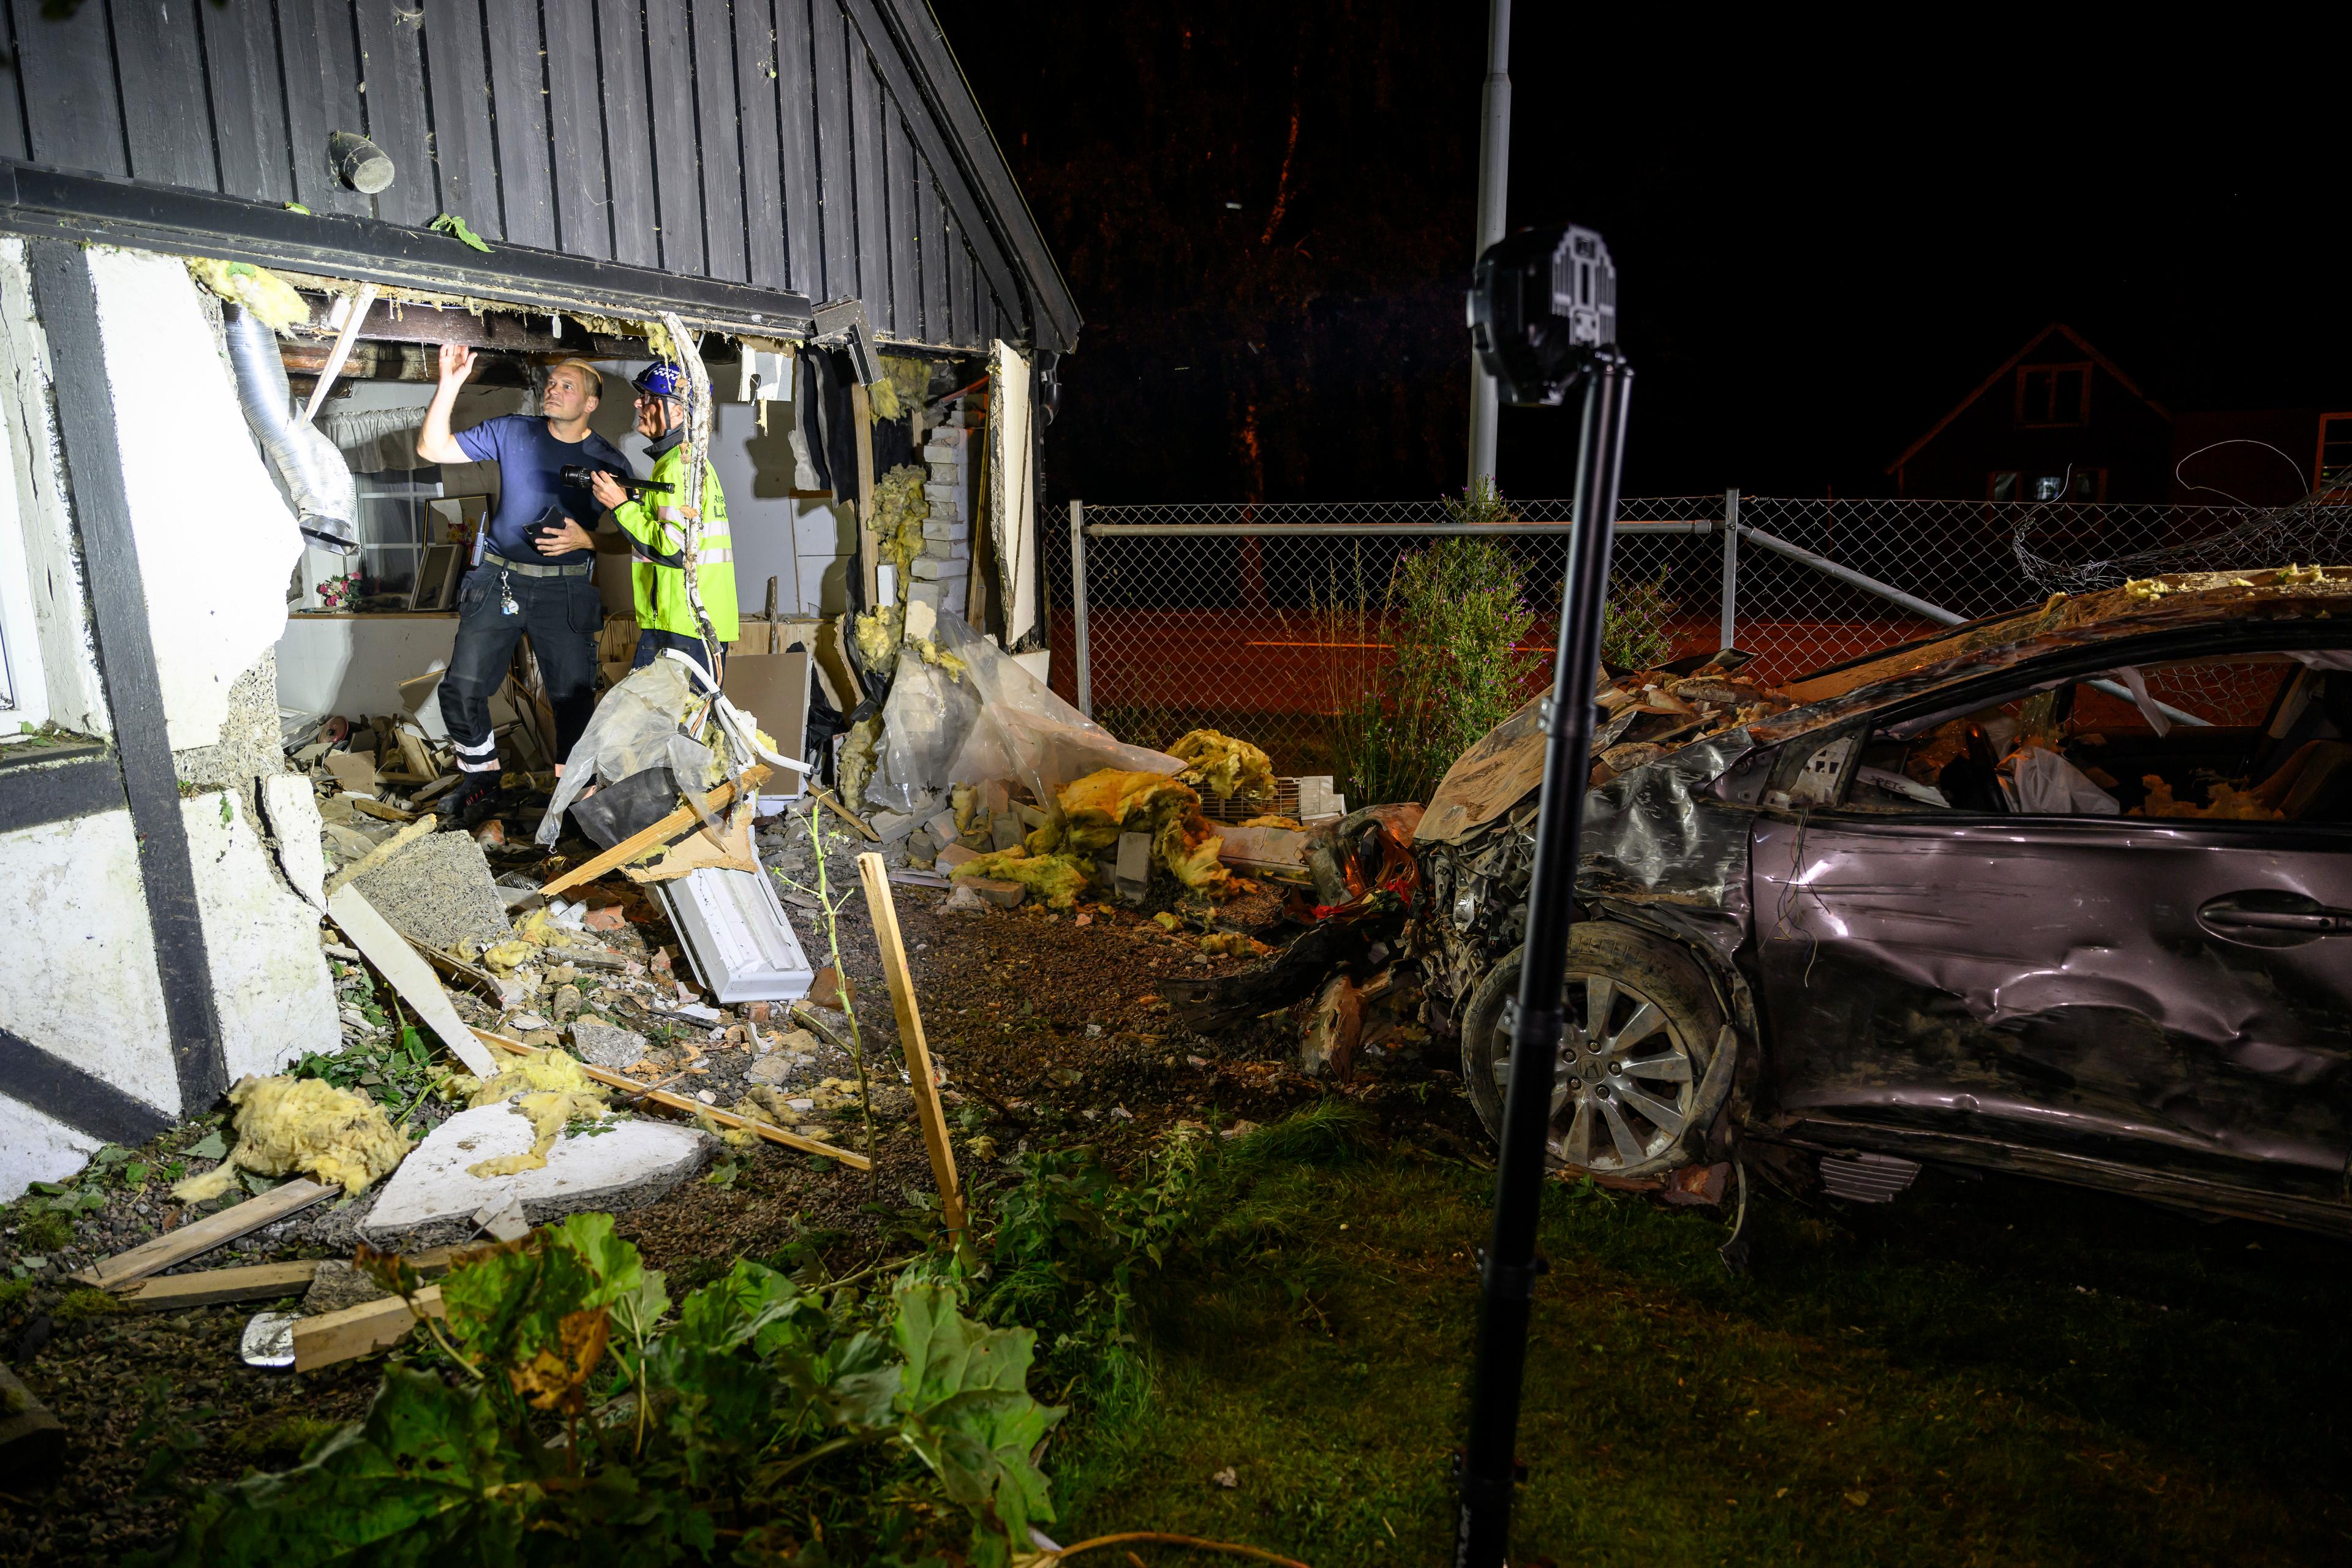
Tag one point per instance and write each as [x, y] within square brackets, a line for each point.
[662, 380]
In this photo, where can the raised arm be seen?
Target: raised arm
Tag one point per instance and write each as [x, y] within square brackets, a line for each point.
[434, 443]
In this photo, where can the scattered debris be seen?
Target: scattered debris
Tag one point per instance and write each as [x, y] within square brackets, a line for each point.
[606, 1044]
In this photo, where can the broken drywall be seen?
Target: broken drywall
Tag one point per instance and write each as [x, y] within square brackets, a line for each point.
[270, 984]
[215, 538]
[35, 520]
[78, 954]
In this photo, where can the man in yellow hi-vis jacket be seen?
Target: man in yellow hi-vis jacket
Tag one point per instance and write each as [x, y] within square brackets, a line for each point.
[657, 526]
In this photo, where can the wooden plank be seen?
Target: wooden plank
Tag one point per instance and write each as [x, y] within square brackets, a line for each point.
[869, 546]
[518, 107]
[836, 200]
[320, 88]
[391, 67]
[164, 109]
[926, 1086]
[931, 247]
[628, 135]
[409, 976]
[261, 1281]
[796, 146]
[677, 180]
[866, 155]
[76, 116]
[460, 115]
[248, 99]
[638, 1091]
[575, 109]
[719, 139]
[201, 1235]
[661, 832]
[355, 1331]
[252, 1282]
[898, 226]
[756, 84]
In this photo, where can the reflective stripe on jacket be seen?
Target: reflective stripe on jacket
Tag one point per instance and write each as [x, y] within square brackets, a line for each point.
[658, 533]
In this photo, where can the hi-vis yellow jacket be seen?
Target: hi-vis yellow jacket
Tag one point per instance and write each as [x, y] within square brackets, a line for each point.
[659, 575]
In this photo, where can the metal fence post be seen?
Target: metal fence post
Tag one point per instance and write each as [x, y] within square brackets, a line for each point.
[1730, 565]
[1085, 680]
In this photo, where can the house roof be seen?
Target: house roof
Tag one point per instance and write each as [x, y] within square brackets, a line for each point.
[2011, 363]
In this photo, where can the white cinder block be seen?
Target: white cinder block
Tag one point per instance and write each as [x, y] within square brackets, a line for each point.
[946, 528]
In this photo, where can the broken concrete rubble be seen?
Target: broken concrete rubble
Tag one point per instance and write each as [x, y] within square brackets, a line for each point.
[438, 892]
[606, 1044]
[630, 1162]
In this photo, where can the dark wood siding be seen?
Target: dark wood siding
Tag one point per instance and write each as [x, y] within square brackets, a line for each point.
[794, 145]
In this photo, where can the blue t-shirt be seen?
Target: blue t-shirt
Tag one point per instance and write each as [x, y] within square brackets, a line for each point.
[528, 460]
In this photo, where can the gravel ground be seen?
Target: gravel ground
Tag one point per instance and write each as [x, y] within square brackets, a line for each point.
[1049, 1028]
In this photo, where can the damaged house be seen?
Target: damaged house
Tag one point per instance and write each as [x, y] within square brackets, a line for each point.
[207, 548]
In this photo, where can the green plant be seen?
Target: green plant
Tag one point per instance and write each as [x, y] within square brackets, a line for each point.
[13, 1293]
[571, 1418]
[1633, 624]
[83, 1303]
[43, 1230]
[1439, 659]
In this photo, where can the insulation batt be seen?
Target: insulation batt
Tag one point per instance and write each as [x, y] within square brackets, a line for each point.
[287, 1126]
[550, 1089]
[1224, 766]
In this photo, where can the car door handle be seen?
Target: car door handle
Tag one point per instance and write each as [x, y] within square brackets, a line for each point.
[2261, 917]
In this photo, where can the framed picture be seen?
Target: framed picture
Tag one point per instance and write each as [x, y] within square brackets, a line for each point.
[436, 578]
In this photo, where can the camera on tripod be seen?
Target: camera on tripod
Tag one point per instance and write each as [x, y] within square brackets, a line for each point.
[1541, 302]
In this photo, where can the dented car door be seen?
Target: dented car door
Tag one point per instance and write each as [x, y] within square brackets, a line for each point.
[2145, 993]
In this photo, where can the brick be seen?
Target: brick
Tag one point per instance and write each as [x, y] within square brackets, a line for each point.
[955, 854]
[609, 918]
[1003, 895]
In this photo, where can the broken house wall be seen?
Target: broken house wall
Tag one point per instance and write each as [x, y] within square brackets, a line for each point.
[80, 980]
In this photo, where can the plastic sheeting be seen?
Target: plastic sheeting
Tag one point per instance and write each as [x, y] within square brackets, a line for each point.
[640, 724]
[961, 710]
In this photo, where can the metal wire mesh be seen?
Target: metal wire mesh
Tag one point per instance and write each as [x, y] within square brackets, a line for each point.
[1269, 620]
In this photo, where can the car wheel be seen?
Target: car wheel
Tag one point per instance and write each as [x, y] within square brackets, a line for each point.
[1640, 1021]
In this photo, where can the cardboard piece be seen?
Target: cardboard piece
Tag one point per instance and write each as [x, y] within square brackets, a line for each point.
[773, 688]
[355, 771]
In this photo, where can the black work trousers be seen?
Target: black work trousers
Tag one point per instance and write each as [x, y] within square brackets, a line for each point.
[562, 615]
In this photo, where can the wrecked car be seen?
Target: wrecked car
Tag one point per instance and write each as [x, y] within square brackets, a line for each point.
[2065, 892]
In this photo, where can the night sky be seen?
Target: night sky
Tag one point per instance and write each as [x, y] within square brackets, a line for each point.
[1265, 212]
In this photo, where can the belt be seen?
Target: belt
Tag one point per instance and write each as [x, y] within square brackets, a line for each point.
[538, 568]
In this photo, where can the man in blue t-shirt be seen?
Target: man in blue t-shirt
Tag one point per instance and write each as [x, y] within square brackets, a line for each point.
[534, 565]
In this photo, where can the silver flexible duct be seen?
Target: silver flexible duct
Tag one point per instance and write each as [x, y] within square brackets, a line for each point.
[325, 497]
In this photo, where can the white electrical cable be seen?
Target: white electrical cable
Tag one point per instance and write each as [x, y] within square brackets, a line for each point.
[738, 723]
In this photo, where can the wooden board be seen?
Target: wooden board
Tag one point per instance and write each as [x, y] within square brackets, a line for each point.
[252, 1282]
[409, 976]
[661, 832]
[869, 545]
[638, 1091]
[355, 1331]
[200, 1235]
[876, 875]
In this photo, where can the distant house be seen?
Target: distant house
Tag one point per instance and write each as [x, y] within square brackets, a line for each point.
[2057, 421]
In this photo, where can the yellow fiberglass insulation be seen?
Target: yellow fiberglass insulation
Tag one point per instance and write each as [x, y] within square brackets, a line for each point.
[1056, 878]
[1100, 806]
[900, 509]
[306, 1125]
[900, 391]
[876, 633]
[549, 1088]
[257, 288]
[857, 758]
[1224, 767]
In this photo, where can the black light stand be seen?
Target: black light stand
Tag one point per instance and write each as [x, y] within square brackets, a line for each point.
[1538, 355]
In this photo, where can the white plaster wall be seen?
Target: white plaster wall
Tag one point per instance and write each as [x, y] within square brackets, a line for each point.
[37, 1148]
[54, 638]
[270, 984]
[78, 954]
[215, 540]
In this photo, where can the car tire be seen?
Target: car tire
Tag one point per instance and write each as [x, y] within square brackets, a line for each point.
[1627, 1101]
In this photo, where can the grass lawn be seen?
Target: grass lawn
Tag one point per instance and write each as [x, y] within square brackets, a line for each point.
[1983, 1372]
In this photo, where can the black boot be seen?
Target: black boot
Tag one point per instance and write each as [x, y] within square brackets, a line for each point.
[476, 796]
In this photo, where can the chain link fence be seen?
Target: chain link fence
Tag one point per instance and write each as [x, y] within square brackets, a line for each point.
[1269, 620]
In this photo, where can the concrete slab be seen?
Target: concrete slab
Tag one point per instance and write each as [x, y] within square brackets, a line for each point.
[438, 892]
[634, 1161]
